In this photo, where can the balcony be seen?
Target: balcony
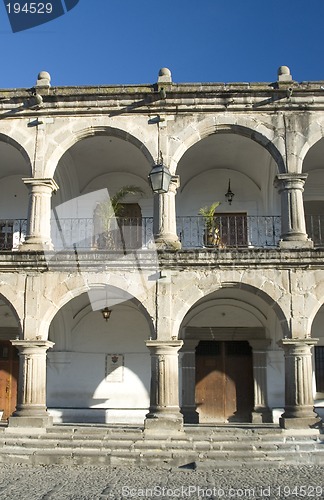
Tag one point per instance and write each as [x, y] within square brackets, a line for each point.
[230, 231]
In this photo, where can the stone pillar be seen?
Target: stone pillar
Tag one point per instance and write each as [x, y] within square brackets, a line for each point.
[39, 214]
[31, 408]
[261, 412]
[293, 227]
[188, 365]
[299, 403]
[164, 414]
[164, 223]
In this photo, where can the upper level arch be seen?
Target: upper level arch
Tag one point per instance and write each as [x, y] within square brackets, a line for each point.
[261, 133]
[71, 138]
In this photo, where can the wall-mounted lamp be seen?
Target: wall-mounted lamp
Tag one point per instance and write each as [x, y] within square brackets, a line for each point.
[106, 312]
[229, 195]
[160, 178]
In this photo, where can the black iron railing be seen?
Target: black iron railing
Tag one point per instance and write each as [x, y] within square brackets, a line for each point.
[225, 231]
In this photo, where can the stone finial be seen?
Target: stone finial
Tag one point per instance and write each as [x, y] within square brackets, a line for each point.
[164, 76]
[43, 79]
[284, 74]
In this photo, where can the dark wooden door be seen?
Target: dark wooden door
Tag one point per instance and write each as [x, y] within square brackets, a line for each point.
[9, 368]
[232, 229]
[224, 381]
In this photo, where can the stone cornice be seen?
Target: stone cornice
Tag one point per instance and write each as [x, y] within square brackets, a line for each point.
[97, 261]
[182, 97]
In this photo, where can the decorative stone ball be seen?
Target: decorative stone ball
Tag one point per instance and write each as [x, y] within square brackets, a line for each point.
[44, 75]
[165, 72]
[283, 70]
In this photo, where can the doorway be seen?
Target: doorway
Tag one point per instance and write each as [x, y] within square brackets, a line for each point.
[9, 368]
[224, 381]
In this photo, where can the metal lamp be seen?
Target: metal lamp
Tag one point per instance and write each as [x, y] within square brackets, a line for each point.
[229, 195]
[106, 312]
[160, 178]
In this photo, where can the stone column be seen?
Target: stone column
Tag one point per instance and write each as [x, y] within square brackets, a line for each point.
[39, 214]
[293, 227]
[261, 411]
[31, 408]
[299, 403]
[164, 223]
[164, 414]
[188, 365]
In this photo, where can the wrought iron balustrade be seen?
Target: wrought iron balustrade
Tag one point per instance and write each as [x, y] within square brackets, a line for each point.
[12, 233]
[315, 229]
[133, 233]
[123, 233]
[228, 231]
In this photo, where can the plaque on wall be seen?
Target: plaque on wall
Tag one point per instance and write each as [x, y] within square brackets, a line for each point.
[114, 367]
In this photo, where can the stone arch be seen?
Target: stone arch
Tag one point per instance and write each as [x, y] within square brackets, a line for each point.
[76, 291]
[74, 137]
[200, 294]
[17, 145]
[260, 133]
[313, 134]
[316, 302]
[8, 296]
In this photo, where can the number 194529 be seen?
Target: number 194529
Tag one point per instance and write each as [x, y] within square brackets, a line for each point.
[29, 8]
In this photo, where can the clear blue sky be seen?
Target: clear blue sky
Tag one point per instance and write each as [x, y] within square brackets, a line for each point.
[119, 42]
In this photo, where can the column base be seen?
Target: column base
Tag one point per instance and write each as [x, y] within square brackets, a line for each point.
[35, 245]
[163, 422]
[29, 421]
[299, 418]
[300, 423]
[167, 244]
[291, 244]
[262, 416]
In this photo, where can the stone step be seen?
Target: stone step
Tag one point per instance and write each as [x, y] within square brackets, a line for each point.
[132, 446]
[151, 457]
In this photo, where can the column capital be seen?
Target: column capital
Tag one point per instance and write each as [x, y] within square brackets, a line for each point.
[290, 181]
[174, 183]
[158, 346]
[39, 181]
[294, 345]
[24, 345]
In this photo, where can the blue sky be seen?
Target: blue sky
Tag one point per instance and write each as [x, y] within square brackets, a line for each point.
[103, 42]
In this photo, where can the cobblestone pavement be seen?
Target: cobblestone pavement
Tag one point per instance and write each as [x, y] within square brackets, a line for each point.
[23, 482]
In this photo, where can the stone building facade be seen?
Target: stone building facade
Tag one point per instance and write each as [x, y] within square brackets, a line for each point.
[227, 329]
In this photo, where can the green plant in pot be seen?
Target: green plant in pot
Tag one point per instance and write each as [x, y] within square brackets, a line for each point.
[211, 235]
[110, 209]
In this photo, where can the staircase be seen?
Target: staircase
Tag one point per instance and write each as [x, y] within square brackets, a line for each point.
[197, 447]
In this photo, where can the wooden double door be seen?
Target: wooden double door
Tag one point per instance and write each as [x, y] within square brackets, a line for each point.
[9, 368]
[224, 381]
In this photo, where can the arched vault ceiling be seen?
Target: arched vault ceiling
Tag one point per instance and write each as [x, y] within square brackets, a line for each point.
[12, 162]
[315, 157]
[95, 156]
[230, 151]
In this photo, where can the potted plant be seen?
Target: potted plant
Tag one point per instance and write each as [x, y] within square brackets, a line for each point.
[112, 208]
[211, 235]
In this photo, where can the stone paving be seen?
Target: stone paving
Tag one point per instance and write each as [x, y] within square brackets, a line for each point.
[23, 482]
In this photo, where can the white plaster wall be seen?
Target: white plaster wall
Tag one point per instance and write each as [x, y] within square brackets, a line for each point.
[13, 198]
[76, 378]
[211, 186]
